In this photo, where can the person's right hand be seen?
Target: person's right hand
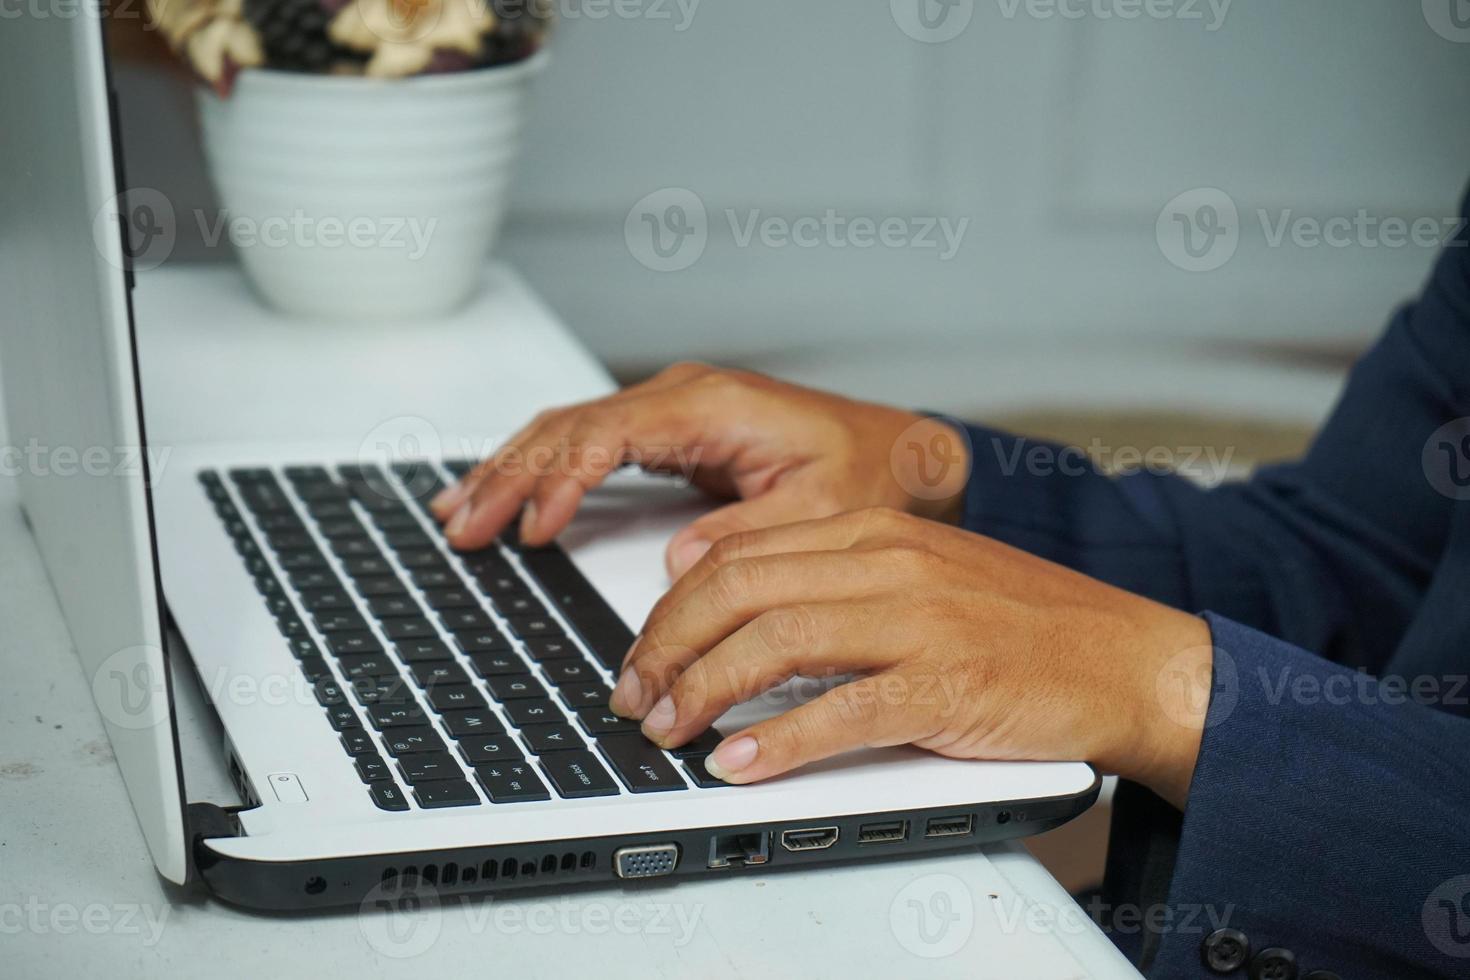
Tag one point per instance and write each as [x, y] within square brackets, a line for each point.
[783, 452]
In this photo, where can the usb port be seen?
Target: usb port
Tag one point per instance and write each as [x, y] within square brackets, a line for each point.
[809, 838]
[888, 832]
[950, 826]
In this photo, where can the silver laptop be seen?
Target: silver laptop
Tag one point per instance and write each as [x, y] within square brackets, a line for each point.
[414, 715]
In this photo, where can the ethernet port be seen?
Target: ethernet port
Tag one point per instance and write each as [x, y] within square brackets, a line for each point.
[738, 850]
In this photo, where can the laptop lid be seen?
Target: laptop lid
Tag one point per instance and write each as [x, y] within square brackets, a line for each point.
[72, 398]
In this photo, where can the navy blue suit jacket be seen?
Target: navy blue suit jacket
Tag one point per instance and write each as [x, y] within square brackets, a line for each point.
[1330, 810]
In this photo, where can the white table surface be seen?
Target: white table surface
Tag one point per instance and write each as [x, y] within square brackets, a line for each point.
[79, 897]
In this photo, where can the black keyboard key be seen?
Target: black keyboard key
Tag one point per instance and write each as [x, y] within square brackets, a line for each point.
[408, 739]
[392, 520]
[488, 560]
[577, 696]
[291, 626]
[340, 621]
[307, 559]
[450, 598]
[640, 764]
[533, 711]
[563, 672]
[456, 697]
[290, 541]
[268, 587]
[372, 586]
[326, 600]
[388, 797]
[481, 641]
[328, 693]
[314, 578]
[279, 605]
[577, 775]
[396, 715]
[320, 492]
[526, 627]
[307, 474]
[343, 717]
[329, 510]
[372, 769]
[429, 673]
[511, 784]
[393, 607]
[543, 648]
[700, 775]
[458, 468]
[356, 665]
[521, 605]
[380, 690]
[414, 651]
[701, 745]
[435, 577]
[541, 739]
[426, 767]
[347, 548]
[367, 567]
[445, 793]
[472, 723]
[315, 668]
[490, 748]
[604, 632]
[358, 742]
[406, 541]
[512, 688]
[279, 520]
[497, 664]
[498, 584]
[601, 721]
[466, 619]
[343, 644]
[422, 558]
[263, 497]
[409, 629]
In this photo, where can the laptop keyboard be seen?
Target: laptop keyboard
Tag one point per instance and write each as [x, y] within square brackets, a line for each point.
[454, 679]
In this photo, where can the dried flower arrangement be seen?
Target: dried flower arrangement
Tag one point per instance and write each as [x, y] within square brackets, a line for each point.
[380, 38]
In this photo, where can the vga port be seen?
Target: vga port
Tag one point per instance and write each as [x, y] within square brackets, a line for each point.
[648, 861]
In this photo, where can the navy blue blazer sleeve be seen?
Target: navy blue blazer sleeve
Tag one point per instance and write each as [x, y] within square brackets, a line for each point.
[1332, 553]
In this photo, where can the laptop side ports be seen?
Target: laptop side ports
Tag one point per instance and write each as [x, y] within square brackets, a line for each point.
[956, 825]
[887, 832]
[739, 850]
[809, 838]
[651, 861]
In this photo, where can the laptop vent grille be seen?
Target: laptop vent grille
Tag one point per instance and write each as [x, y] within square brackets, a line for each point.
[451, 874]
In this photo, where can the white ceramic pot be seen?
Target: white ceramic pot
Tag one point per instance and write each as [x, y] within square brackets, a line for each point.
[351, 197]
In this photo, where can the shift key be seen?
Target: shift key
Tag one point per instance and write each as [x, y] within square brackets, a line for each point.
[640, 764]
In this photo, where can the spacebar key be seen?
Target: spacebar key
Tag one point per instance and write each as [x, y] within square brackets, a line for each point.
[639, 763]
[604, 632]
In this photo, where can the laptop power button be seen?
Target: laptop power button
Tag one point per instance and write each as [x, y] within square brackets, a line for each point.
[287, 787]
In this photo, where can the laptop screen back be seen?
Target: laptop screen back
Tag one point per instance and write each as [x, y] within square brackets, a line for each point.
[71, 393]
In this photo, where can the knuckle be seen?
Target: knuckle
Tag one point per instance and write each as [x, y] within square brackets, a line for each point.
[788, 631]
[731, 585]
[683, 370]
[729, 548]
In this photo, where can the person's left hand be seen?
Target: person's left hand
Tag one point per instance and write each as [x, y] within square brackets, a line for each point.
[958, 644]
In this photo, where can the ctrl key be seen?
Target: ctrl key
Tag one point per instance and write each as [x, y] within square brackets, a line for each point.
[445, 793]
[388, 797]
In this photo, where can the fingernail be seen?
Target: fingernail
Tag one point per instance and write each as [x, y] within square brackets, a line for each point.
[731, 757]
[459, 521]
[628, 695]
[660, 720]
[528, 518]
[449, 498]
[688, 555]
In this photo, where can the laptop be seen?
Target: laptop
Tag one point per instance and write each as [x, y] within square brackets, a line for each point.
[415, 717]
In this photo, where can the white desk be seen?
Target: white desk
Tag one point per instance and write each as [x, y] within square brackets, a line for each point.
[79, 897]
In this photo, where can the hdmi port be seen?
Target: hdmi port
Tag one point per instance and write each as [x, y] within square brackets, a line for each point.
[809, 838]
[953, 826]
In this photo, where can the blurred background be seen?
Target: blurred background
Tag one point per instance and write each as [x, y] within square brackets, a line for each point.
[1169, 224]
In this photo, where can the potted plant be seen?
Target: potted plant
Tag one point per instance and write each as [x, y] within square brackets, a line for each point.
[362, 149]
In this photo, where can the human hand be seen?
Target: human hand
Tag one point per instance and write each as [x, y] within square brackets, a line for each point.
[1020, 658]
[784, 452]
